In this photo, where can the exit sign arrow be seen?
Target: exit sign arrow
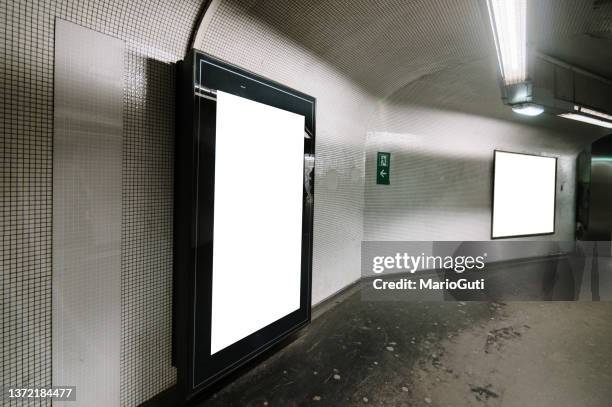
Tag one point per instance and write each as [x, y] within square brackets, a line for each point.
[383, 168]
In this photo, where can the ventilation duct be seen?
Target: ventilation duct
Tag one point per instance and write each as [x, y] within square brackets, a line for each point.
[564, 90]
[561, 86]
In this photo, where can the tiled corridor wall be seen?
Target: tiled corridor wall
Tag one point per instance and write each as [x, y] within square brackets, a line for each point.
[286, 41]
[441, 132]
[156, 34]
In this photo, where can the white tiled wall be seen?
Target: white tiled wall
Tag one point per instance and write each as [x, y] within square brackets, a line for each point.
[156, 34]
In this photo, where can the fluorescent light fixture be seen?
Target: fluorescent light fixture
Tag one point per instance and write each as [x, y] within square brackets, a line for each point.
[509, 23]
[528, 109]
[593, 112]
[587, 119]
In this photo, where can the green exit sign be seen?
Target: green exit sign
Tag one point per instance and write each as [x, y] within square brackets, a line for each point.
[383, 168]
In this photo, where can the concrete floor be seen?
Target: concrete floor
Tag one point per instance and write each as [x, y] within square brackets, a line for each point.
[361, 353]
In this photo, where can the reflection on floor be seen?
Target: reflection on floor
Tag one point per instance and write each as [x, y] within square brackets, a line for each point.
[395, 353]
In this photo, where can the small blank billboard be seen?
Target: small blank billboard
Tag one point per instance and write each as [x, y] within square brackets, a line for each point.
[523, 195]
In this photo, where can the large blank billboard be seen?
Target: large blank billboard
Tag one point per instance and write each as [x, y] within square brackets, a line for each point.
[257, 249]
[523, 195]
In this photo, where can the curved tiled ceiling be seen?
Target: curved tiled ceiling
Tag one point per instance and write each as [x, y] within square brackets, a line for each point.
[472, 90]
[578, 32]
[385, 46]
[563, 18]
[381, 45]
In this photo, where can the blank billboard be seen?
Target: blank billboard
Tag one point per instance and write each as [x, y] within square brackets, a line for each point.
[523, 195]
[257, 250]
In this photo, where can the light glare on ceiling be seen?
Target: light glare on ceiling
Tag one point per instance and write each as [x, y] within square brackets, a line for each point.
[528, 109]
[587, 119]
[509, 23]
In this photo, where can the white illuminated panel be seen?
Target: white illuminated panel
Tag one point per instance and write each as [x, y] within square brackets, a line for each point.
[257, 245]
[524, 195]
[587, 119]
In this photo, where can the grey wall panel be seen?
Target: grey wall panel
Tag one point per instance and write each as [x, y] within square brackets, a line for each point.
[235, 34]
[88, 143]
[599, 177]
[156, 34]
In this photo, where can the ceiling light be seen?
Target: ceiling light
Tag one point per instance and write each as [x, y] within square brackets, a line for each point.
[528, 109]
[587, 119]
[593, 112]
[509, 23]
